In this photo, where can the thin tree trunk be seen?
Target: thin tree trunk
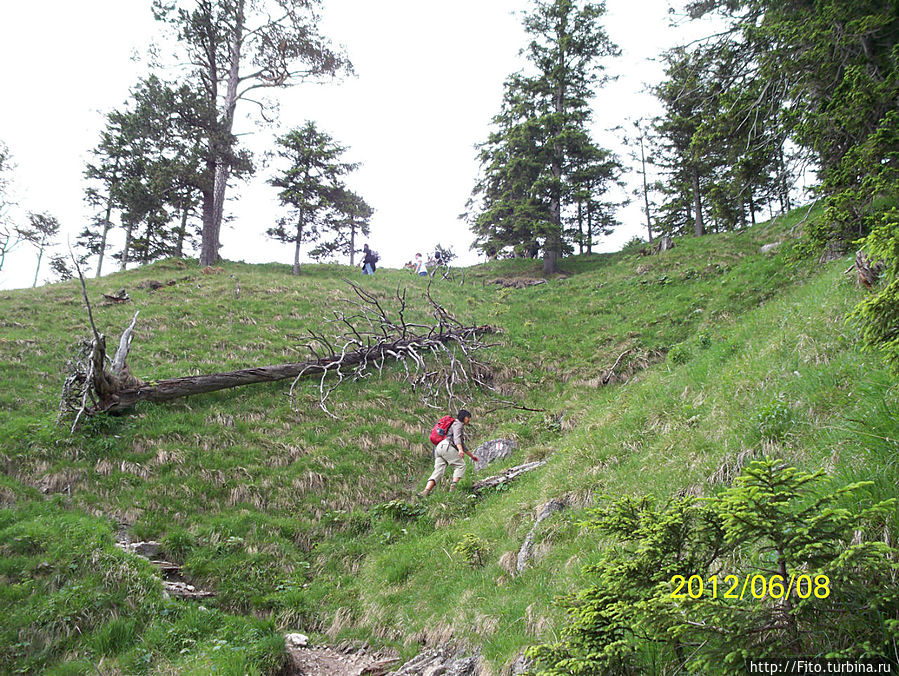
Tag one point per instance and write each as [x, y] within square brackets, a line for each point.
[352, 244]
[40, 254]
[296, 252]
[106, 226]
[698, 226]
[222, 169]
[145, 256]
[589, 229]
[126, 252]
[784, 189]
[179, 244]
[751, 208]
[580, 227]
[645, 192]
[208, 245]
[552, 248]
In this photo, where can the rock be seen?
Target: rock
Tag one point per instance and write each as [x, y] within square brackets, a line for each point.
[524, 554]
[296, 640]
[445, 660]
[494, 450]
[769, 247]
[148, 550]
[520, 666]
[182, 590]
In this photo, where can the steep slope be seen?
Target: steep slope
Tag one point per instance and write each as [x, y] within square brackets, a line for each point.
[300, 521]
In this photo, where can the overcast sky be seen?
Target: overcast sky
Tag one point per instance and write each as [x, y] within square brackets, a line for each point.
[428, 80]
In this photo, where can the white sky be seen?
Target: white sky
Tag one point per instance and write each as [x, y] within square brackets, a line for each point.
[428, 80]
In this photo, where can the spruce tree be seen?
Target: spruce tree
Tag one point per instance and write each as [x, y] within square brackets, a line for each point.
[311, 186]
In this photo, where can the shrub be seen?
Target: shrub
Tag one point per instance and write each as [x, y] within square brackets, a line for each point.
[399, 510]
[679, 354]
[178, 544]
[775, 520]
[774, 420]
[472, 550]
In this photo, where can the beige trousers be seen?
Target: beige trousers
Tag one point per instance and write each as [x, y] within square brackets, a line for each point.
[445, 454]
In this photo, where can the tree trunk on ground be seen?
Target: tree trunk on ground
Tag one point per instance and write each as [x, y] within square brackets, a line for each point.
[114, 396]
[432, 367]
[698, 227]
[508, 475]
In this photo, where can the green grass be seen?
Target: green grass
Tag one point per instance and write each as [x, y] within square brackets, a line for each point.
[729, 352]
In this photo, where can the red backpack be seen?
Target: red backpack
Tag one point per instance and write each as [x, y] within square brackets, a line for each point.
[441, 429]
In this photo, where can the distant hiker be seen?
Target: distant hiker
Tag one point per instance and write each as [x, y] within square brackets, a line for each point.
[451, 451]
[368, 261]
[420, 268]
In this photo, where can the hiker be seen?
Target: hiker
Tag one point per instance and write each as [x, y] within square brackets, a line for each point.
[368, 262]
[420, 268]
[451, 451]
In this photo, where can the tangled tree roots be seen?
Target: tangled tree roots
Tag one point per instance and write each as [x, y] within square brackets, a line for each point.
[440, 361]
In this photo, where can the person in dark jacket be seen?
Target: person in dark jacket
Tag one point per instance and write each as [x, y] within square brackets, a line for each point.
[368, 261]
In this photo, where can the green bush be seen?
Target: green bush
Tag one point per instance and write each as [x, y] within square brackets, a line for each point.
[472, 550]
[679, 354]
[774, 521]
[399, 510]
[774, 420]
[178, 543]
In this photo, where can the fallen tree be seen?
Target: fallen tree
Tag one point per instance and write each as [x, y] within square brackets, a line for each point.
[508, 475]
[439, 361]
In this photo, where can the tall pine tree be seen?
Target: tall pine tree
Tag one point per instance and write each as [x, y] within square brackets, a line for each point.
[533, 159]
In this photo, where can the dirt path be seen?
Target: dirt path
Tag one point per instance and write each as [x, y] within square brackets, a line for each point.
[326, 661]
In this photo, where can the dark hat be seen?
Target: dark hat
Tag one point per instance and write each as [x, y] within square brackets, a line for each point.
[463, 414]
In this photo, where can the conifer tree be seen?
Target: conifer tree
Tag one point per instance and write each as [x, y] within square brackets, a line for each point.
[40, 233]
[312, 187]
[8, 236]
[529, 161]
[234, 48]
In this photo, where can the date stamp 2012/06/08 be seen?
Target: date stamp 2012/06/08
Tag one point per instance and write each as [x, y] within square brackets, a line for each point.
[750, 586]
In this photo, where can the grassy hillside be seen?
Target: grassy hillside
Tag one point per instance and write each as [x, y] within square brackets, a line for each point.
[282, 512]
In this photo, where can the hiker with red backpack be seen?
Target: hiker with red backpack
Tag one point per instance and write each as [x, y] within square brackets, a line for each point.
[449, 435]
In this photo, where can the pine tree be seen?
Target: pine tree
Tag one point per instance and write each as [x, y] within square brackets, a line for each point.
[41, 233]
[311, 186]
[530, 162]
[236, 47]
